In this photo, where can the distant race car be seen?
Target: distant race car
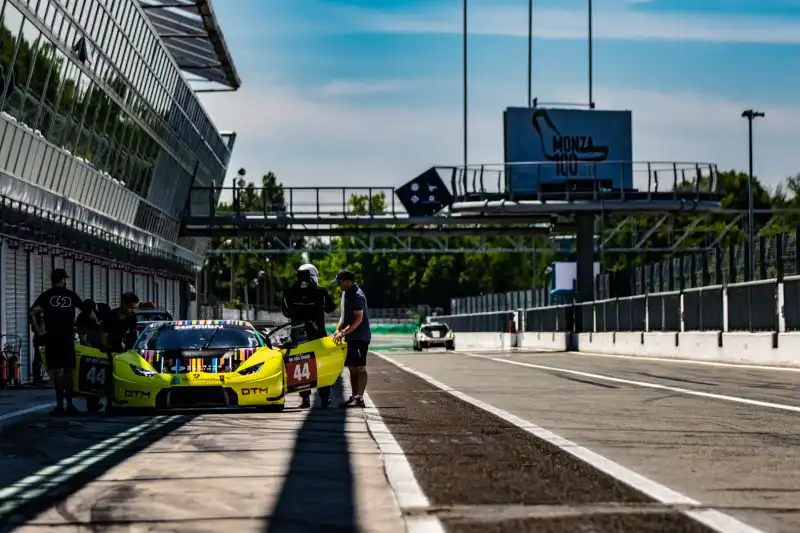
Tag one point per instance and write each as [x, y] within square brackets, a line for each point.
[207, 363]
[434, 334]
[147, 313]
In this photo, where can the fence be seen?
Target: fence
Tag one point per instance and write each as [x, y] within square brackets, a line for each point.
[763, 305]
[775, 257]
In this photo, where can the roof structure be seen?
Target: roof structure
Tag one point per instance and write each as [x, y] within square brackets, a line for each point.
[192, 35]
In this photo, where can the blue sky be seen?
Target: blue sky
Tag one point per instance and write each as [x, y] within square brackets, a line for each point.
[368, 92]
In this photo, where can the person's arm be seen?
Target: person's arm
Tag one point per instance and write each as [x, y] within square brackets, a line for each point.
[35, 312]
[358, 315]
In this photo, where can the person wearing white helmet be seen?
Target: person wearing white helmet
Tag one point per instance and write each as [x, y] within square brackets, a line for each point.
[305, 302]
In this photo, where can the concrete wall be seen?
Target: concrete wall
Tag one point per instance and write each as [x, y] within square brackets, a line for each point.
[767, 348]
[503, 341]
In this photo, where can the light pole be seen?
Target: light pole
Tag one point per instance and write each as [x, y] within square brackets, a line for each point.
[750, 115]
[530, 53]
[464, 5]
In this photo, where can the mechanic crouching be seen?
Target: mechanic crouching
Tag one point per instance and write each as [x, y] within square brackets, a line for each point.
[306, 303]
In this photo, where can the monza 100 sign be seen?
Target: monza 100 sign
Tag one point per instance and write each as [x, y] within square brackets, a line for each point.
[548, 148]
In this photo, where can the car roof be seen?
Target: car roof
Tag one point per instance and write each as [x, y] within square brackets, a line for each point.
[428, 324]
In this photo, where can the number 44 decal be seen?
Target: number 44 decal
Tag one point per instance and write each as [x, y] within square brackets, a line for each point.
[302, 372]
[96, 376]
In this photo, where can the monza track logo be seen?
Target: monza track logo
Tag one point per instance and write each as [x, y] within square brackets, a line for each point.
[60, 302]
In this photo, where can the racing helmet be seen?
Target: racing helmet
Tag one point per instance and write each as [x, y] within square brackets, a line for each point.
[307, 274]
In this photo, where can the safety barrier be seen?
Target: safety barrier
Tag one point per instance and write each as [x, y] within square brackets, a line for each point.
[753, 322]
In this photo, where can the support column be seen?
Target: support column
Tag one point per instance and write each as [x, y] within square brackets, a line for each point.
[585, 264]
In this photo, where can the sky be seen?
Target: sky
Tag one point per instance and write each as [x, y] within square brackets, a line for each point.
[364, 93]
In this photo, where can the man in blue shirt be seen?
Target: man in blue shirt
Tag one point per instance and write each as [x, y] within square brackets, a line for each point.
[354, 328]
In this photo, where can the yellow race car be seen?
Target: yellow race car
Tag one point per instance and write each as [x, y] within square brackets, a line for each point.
[209, 363]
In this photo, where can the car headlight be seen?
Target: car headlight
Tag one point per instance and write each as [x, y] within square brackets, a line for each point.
[139, 371]
[251, 369]
[450, 335]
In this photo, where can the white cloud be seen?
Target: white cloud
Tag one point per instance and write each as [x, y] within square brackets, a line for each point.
[361, 87]
[337, 142]
[612, 21]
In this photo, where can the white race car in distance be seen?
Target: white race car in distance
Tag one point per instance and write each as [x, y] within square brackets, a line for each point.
[433, 335]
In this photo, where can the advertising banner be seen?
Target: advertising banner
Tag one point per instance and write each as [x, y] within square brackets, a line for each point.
[567, 146]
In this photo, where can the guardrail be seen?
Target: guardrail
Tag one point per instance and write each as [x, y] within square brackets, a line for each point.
[764, 306]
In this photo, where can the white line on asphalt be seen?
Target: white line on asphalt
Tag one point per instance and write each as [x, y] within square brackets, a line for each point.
[744, 366]
[645, 384]
[400, 474]
[50, 477]
[709, 517]
[23, 412]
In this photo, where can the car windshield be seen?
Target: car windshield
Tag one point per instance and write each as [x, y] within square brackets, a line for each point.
[196, 337]
[435, 331]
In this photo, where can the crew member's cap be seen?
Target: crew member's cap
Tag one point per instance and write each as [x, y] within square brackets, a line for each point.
[58, 275]
[345, 275]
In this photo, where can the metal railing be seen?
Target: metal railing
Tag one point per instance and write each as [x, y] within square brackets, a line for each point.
[762, 305]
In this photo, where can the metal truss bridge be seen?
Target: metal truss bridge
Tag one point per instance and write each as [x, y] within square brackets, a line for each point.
[676, 209]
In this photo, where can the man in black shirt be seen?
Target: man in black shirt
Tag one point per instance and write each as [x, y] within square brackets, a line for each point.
[120, 324]
[57, 333]
[305, 302]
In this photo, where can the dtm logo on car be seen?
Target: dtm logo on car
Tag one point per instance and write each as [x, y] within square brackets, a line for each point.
[136, 394]
[253, 390]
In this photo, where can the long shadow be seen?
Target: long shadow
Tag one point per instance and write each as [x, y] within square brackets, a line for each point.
[319, 491]
[44, 460]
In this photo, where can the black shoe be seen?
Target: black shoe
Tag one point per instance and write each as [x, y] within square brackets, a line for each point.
[306, 403]
[72, 410]
[58, 411]
[349, 401]
[93, 407]
[360, 402]
[324, 404]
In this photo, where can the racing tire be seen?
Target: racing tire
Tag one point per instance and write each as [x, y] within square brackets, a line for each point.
[417, 348]
[450, 346]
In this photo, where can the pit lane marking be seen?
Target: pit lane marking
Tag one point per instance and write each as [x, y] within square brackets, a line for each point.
[409, 495]
[26, 411]
[644, 384]
[709, 517]
[51, 477]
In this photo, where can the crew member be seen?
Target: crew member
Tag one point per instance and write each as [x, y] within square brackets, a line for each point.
[57, 331]
[90, 333]
[120, 334]
[354, 328]
[119, 324]
[305, 302]
[88, 326]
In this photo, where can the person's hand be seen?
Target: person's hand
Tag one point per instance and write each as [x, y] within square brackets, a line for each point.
[337, 337]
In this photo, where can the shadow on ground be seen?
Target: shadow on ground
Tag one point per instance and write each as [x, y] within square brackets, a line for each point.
[319, 491]
[44, 460]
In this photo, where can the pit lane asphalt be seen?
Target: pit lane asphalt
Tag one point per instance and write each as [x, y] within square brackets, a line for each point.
[297, 471]
[743, 460]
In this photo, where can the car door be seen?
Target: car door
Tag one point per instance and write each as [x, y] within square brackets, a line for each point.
[92, 371]
[313, 364]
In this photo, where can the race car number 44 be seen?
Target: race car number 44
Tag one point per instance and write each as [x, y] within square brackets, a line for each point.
[301, 371]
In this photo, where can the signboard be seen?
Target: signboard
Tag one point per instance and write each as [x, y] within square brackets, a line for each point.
[567, 146]
[566, 273]
[425, 195]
